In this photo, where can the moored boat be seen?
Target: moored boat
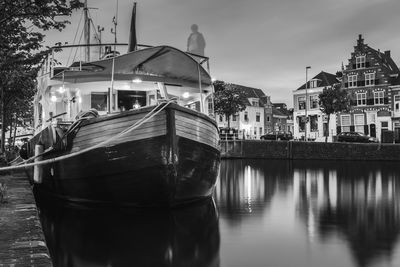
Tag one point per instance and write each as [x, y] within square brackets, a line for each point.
[133, 129]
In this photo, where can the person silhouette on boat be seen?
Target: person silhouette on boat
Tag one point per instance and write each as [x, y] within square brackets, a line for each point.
[196, 42]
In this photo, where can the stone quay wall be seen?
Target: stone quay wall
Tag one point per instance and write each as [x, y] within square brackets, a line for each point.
[263, 149]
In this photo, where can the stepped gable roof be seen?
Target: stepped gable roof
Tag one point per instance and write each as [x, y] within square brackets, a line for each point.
[325, 79]
[252, 93]
[386, 58]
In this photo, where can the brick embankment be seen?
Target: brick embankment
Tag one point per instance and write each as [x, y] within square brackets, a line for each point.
[22, 241]
[261, 149]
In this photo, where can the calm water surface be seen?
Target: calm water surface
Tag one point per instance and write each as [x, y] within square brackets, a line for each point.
[266, 213]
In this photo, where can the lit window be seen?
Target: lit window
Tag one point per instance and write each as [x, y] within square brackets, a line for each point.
[359, 123]
[352, 79]
[361, 99]
[378, 98]
[345, 123]
[369, 79]
[258, 116]
[360, 62]
[314, 101]
[302, 102]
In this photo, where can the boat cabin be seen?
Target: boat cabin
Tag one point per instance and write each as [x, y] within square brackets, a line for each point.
[132, 81]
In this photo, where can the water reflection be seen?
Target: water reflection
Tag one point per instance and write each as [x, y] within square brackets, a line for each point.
[246, 186]
[358, 201]
[87, 237]
[355, 204]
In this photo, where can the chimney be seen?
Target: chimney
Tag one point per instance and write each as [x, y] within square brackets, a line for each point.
[387, 53]
[360, 41]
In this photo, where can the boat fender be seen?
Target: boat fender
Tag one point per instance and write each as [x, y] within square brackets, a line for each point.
[38, 169]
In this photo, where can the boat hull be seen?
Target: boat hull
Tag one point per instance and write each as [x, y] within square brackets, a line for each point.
[169, 168]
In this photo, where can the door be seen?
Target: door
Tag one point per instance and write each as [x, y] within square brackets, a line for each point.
[372, 130]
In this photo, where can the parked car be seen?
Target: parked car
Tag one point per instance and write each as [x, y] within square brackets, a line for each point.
[277, 136]
[355, 137]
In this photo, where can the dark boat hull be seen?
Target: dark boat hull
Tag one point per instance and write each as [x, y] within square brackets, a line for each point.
[162, 170]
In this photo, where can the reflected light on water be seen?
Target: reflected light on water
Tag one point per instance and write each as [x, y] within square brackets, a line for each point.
[349, 212]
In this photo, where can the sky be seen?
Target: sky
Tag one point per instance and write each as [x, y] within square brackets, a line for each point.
[264, 44]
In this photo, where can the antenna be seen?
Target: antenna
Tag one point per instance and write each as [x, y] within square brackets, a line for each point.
[115, 22]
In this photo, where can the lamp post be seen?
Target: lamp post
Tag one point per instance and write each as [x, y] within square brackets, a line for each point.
[306, 106]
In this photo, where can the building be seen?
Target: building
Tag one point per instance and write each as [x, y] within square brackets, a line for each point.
[368, 78]
[255, 120]
[282, 118]
[317, 126]
[395, 89]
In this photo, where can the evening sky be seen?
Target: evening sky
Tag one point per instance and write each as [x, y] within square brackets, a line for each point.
[258, 43]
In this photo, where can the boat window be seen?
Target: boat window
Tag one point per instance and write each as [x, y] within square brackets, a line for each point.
[99, 101]
[128, 100]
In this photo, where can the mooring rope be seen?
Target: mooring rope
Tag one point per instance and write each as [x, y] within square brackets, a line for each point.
[134, 126]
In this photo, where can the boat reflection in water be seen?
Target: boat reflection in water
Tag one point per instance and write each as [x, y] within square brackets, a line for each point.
[344, 213]
[187, 236]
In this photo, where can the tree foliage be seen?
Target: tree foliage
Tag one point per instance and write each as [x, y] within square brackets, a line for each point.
[333, 100]
[228, 99]
[22, 30]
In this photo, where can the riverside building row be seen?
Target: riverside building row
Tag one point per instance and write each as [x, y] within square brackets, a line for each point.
[372, 81]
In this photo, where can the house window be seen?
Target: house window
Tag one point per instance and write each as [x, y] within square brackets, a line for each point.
[384, 125]
[345, 123]
[361, 99]
[352, 79]
[359, 123]
[258, 116]
[246, 116]
[314, 123]
[302, 102]
[260, 130]
[313, 83]
[220, 118]
[360, 62]
[255, 130]
[378, 98]
[234, 117]
[254, 103]
[302, 123]
[397, 103]
[98, 101]
[369, 79]
[314, 101]
[210, 106]
[268, 118]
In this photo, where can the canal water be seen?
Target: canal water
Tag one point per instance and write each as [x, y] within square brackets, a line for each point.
[264, 213]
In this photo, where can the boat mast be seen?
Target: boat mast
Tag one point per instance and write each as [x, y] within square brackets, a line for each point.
[111, 107]
[86, 30]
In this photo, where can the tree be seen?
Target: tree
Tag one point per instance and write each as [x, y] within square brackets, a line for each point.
[228, 100]
[333, 100]
[22, 27]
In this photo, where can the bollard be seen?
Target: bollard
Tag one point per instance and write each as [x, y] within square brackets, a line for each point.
[37, 169]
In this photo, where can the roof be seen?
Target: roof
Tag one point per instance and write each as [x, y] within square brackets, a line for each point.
[385, 58]
[278, 113]
[160, 63]
[252, 93]
[324, 79]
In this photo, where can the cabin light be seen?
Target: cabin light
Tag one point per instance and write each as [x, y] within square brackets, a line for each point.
[137, 80]
[185, 95]
[79, 99]
[136, 105]
[213, 79]
[53, 98]
[61, 90]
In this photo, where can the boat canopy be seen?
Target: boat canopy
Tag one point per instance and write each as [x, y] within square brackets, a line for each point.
[160, 64]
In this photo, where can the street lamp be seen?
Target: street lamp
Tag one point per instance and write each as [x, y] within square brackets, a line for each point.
[305, 130]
